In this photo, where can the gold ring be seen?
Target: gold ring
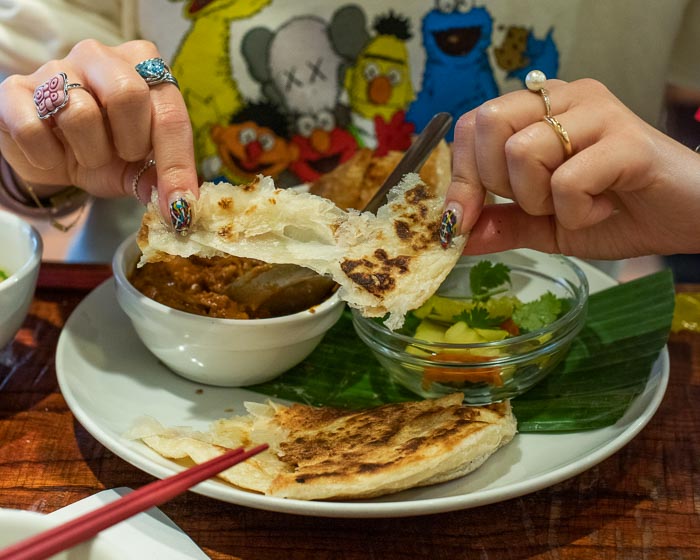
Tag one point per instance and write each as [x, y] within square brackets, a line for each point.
[135, 183]
[535, 81]
[563, 135]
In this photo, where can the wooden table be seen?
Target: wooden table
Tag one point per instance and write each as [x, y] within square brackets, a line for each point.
[642, 503]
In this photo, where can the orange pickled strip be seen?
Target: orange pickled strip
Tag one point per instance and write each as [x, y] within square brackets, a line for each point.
[510, 326]
[437, 374]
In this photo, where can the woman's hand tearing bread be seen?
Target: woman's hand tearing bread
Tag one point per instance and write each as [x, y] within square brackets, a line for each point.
[384, 264]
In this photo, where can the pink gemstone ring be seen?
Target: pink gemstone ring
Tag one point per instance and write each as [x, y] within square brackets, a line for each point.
[51, 96]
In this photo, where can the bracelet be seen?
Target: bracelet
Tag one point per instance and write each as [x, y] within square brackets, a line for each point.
[20, 197]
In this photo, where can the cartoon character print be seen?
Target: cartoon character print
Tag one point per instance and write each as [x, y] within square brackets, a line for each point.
[299, 72]
[458, 75]
[296, 65]
[322, 143]
[520, 51]
[378, 84]
[202, 66]
[254, 142]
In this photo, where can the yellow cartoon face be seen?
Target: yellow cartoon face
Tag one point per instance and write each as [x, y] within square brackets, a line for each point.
[379, 83]
[247, 149]
[232, 9]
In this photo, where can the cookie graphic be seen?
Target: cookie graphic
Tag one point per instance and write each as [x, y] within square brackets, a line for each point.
[510, 55]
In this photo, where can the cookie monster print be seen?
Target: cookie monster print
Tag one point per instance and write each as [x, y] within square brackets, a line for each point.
[520, 51]
[457, 75]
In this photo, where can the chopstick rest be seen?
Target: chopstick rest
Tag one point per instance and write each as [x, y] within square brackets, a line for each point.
[86, 526]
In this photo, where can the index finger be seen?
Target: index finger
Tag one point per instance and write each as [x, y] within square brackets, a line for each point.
[172, 142]
[173, 148]
[465, 195]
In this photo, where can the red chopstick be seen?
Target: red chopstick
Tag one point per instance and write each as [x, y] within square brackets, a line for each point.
[89, 524]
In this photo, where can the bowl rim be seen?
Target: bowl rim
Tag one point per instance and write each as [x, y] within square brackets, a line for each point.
[556, 327]
[122, 281]
[34, 260]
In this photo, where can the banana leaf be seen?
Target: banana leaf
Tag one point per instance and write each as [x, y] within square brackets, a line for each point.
[607, 367]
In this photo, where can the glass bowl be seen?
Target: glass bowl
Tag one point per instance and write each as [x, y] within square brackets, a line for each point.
[486, 371]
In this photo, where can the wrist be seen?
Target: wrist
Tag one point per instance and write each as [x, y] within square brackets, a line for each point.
[49, 202]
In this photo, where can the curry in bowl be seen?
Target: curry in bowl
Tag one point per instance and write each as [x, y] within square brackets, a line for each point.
[231, 287]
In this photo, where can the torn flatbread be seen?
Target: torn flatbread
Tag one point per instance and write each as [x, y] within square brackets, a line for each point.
[325, 453]
[388, 263]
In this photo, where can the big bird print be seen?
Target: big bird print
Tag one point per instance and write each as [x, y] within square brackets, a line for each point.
[202, 66]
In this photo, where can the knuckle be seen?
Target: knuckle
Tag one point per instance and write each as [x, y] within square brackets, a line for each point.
[83, 113]
[518, 146]
[144, 45]
[489, 114]
[12, 82]
[26, 131]
[127, 92]
[87, 48]
[464, 126]
[172, 117]
[565, 182]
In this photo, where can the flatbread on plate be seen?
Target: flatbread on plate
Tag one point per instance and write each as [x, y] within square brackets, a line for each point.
[319, 453]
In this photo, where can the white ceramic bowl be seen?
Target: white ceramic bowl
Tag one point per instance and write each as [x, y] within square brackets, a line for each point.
[224, 352]
[17, 525]
[20, 257]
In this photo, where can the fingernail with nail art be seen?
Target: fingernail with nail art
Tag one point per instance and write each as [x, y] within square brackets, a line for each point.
[449, 224]
[180, 214]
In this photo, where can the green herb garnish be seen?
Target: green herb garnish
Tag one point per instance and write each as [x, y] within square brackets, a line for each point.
[485, 278]
[3, 275]
[479, 318]
[539, 313]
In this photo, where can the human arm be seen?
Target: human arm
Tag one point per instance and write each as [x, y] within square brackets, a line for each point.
[627, 190]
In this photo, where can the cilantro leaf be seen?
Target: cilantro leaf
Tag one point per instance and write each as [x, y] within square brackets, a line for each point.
[540, 312]
[485, 277]
[478, 318]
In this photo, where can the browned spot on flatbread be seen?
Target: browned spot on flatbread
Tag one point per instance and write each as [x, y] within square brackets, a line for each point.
[330, 444]
[402, 229]
[418, 194]
[225, 231]
[376, 274]
[225, 202]
[251, 186]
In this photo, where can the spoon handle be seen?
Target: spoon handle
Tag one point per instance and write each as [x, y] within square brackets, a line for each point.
[414, 158]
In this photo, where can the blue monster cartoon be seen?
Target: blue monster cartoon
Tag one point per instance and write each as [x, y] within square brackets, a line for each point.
[458, 75]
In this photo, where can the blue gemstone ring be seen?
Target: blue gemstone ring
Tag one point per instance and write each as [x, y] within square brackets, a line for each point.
[155, 71]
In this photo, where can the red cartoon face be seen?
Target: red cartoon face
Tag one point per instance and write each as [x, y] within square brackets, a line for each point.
[322, 145]
[247, 150]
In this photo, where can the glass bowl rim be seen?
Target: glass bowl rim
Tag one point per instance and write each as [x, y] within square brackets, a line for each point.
[557, 328]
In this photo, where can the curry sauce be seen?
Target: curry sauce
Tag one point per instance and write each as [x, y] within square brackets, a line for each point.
[197, 285]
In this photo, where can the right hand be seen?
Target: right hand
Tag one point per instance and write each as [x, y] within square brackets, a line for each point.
[627, 190]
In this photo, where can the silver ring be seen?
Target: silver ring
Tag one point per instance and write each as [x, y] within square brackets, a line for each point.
[52, 96]
[155, 71]
[135, 183]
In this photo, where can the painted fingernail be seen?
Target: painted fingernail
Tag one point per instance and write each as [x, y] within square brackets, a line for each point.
[449, 224]
[180, 214]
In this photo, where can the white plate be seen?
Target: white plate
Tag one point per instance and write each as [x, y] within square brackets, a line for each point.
[150, 534]
[109, 380]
